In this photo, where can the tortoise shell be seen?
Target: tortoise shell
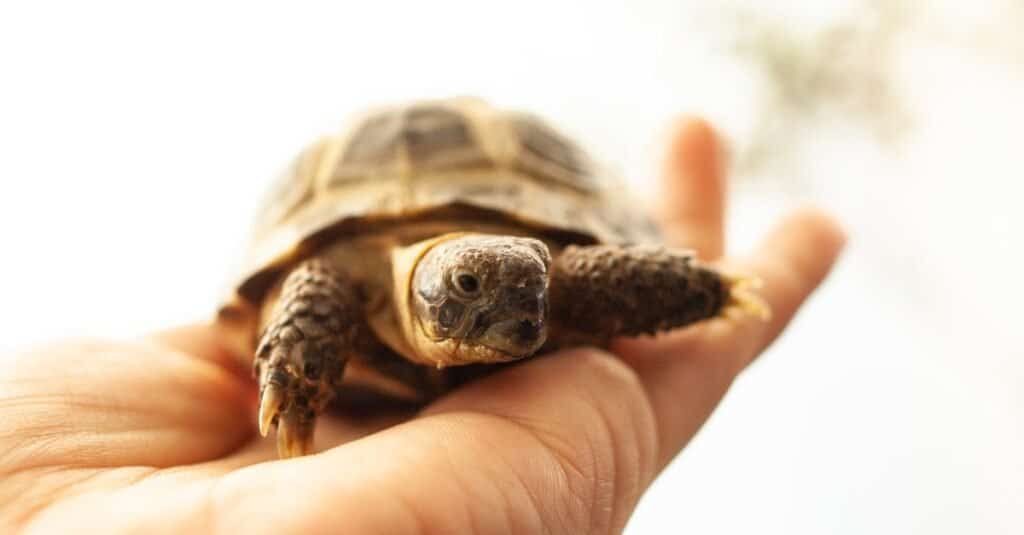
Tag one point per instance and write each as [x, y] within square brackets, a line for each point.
[428, 159]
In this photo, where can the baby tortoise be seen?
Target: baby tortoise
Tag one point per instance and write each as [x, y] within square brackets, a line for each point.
[394, 262]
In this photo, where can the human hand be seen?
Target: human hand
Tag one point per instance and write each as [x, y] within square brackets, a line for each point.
[159, 436]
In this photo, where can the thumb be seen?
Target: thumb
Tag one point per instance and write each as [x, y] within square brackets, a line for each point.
[560, 444]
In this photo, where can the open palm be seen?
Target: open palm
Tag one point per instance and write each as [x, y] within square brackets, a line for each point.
[159, 435]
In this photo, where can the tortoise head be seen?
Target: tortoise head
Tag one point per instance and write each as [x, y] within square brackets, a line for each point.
[479, 298]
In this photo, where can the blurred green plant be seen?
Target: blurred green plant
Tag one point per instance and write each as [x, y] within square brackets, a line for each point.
[842, 71]
[838, 71]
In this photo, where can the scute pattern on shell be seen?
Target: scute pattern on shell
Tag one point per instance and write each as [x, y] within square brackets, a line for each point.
[432, 157]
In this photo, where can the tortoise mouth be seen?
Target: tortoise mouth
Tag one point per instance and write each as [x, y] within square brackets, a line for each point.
[506, 340]
[517, 337]
[461, 352]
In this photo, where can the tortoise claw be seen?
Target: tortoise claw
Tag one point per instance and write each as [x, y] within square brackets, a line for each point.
[302, 352]
[742, 301]
[292, 408]
[294, 437]
[270, 403]
[284, 438]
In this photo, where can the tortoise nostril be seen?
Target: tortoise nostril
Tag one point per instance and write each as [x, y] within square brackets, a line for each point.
[527, 300]
[528, 330]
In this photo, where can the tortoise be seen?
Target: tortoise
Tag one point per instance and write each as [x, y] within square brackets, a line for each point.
[434, 240]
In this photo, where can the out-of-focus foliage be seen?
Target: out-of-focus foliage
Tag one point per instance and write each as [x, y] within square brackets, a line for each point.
[844, 71]
[841, 70]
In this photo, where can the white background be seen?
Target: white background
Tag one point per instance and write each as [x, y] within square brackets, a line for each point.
[136, 140]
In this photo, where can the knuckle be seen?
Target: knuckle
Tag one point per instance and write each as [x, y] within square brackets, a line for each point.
[607, 370]
[619, 446]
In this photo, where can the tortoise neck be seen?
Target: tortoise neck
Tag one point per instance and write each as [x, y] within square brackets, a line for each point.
[412, 343]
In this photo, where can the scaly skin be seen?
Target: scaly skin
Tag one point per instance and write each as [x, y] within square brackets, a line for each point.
[303, 350]
[163, 421]
[600, 292]
[595, 293]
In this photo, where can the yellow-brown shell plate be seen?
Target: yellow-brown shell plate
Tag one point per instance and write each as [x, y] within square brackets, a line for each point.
[428, 158]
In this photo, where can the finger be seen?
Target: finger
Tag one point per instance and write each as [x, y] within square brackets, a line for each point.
[560, 444]
[564, 443]
[693, 185]
[687, 372]
[792, 261]
[207, 341]
[95, 403]
[332, 431]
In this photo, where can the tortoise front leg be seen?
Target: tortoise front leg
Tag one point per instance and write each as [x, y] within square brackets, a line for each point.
[602, 291]
[303, 349]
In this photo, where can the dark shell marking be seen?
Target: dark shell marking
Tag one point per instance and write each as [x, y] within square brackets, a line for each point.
[464, 164]
[429, 160]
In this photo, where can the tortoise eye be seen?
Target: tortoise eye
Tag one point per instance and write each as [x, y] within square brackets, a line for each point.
[467, 283]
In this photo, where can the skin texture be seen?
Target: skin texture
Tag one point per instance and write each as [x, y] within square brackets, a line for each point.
[156, 436]
[616, 290]
[499, 318]
[301, 356]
